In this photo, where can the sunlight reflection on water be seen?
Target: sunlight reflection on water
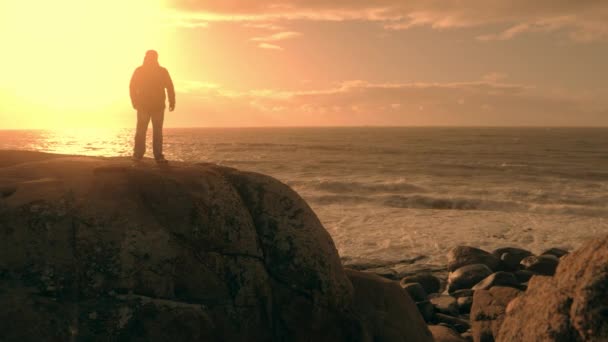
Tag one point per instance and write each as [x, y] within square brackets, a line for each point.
[93, 142]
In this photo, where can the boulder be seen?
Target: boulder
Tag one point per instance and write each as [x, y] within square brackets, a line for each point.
[444, 334]
[570, 306]
[488, 310]
[104, 249]
[497, 279]
[388, 313]
[415, 291]
[464, 255]
[467, 276]
[429, 282]
[542, 264]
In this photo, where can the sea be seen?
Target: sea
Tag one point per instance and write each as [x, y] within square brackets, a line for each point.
[403, 193]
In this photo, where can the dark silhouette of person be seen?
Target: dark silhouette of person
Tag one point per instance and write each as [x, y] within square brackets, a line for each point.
[147, 90]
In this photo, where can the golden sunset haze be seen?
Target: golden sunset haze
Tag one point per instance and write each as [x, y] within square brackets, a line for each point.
[67, 63]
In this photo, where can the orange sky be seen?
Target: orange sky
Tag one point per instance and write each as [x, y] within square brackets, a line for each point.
[67, 63]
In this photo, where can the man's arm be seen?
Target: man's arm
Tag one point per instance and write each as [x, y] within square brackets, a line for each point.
[170, 91]
[133, 85]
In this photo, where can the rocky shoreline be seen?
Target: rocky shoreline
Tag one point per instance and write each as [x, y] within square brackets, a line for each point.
[466, 300]
[101, 249]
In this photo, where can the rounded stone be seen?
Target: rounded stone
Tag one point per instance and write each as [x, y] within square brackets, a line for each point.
[558, 252]
[192, 252]
[467, 276]
[497, 279]
[429, 282]
[542, 264]
[445, 304]
[523, 276]
[464, 255]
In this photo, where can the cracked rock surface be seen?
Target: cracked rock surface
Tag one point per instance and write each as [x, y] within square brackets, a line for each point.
[570, 306]
[101, 249]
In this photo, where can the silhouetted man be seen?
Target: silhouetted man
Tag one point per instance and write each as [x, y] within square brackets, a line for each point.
[147, 90]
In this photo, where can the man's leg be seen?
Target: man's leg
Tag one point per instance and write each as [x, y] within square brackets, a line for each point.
[143, 118]
[158, 118]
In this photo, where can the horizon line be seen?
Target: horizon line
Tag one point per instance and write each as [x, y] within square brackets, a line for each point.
[315, 126]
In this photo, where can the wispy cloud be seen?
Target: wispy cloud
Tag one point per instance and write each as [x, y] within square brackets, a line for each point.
[277, 37]
[269, 46]
[583, 21]
[486, 102]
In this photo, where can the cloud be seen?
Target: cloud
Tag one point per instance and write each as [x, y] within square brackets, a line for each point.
[495, 77]
[583, 20]
[277, 37]
[269, 46]
[480, 103]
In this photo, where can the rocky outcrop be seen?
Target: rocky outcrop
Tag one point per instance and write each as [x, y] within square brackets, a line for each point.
[103, 249]
[488, 311]
[570, 306]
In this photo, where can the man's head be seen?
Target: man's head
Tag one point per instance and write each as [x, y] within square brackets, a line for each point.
[151, 58]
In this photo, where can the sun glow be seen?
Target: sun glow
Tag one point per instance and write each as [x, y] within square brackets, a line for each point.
[67, 63]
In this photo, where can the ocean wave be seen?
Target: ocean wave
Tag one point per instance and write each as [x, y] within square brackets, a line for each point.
[339, 187]
[461, 203]
[442, 203]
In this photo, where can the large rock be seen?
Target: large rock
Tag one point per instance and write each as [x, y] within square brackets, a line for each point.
[467, 276]
[101, 249]
[488, 311]
[570, 306]
[464, 255]
[388, 312]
